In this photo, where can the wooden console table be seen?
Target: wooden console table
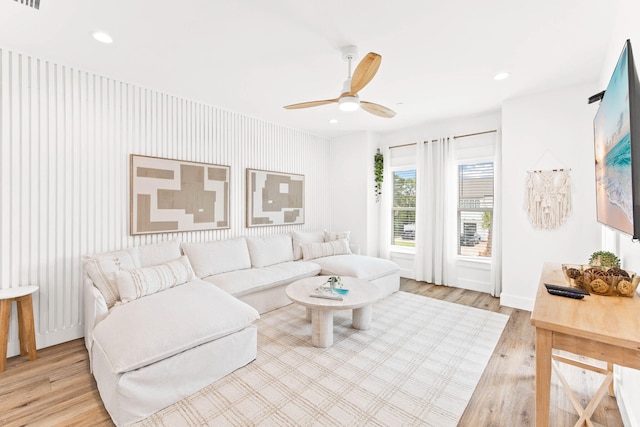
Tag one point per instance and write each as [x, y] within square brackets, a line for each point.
[603, 328]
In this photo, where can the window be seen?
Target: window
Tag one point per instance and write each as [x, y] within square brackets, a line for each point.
[404, 207]
[475, 208]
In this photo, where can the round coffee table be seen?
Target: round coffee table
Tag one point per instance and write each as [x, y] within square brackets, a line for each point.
[320, 310]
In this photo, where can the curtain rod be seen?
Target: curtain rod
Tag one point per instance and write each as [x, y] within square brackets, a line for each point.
[455, 137]
[550, 170]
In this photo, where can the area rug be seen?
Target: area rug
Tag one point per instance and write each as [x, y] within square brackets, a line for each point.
[418, 365]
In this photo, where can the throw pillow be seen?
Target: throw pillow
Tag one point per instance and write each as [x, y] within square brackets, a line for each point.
[218, 256]
[335, 235]
[159, 253]
[301, 237]
[270, 250]
[102, 270]
[139, 282]
[319, 250]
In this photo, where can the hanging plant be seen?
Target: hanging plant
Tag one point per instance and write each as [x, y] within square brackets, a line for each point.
[378, 168]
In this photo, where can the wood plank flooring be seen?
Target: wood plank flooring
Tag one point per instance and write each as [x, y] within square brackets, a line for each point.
[57, 389]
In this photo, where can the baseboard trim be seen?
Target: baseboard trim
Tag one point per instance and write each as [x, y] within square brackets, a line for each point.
[626, 407]
[48, 339]
[516, 302]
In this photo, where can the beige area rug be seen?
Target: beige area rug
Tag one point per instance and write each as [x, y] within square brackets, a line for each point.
[418, 365]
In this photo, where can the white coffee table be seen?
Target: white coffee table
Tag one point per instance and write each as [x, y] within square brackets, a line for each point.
[362, 295]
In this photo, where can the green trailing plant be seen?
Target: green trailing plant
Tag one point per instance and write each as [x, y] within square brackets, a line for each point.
[378, 169]
[604, 259]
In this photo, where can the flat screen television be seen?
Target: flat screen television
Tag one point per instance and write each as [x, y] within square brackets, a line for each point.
[617, 149]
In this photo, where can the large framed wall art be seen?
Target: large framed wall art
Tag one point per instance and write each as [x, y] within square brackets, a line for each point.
[170, 195]
[274, 198]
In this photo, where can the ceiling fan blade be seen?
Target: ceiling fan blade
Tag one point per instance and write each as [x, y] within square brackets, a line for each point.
[377, 109]
[309, 104]
[366, 69]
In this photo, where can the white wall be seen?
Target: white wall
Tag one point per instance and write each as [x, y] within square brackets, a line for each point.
[627, 381]
[348, 177]
[550, 130]
[65, 138]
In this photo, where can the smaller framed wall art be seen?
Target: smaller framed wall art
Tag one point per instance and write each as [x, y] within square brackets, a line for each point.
[173, 195]
[274, 198]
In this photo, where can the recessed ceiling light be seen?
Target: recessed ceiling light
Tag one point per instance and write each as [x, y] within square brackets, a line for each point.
[102, 37]
[333, 121]
[501, 76]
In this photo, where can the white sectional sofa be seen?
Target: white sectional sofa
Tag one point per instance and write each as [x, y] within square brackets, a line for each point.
[160, 325]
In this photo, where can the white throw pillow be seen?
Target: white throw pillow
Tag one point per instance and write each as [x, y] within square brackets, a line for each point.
[270, 250]
[300, 237]
[320, 250]
[159, 253]
[139, 282]
[102, 270]
[217, 257]
[335, 235]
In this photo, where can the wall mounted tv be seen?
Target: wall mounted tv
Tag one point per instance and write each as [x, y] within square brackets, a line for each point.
[617, 149]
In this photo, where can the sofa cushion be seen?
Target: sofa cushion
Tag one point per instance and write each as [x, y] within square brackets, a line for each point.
[239, 283]
[102, 269]
[360, 266]
[217, 257]
[159, 253]
[336, 235]
[269, 250]
[319, 250]
[161, 325]
[301, 237]
[140, 282]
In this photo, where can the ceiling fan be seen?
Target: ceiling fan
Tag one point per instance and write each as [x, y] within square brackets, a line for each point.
[349, 99]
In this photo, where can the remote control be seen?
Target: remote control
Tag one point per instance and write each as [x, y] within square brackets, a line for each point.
[567, 289]
[567, 294]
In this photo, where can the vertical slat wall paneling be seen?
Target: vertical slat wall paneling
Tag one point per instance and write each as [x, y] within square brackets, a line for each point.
[66, 136]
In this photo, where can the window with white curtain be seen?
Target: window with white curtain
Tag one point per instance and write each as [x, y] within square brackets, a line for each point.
[475, 208]
[404, 207]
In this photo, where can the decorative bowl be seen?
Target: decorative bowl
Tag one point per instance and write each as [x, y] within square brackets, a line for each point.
[601, 280]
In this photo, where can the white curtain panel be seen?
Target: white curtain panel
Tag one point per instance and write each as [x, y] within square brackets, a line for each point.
[435, 211]
[385, 206]
[496, 238]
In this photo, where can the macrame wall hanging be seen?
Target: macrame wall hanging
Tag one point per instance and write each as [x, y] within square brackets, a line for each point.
[548, 197]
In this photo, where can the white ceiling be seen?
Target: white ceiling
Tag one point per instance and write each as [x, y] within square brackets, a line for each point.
[254, 56]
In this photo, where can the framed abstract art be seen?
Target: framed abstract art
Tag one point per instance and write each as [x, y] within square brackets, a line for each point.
[170, 195]
[274, 198]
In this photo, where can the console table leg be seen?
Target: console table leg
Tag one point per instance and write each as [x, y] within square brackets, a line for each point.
[543, 376]
[321, 328]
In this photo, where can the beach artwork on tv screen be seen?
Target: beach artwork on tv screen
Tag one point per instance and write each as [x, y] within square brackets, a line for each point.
[614, 190]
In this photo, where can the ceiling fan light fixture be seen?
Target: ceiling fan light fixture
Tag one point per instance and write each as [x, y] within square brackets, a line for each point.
[349, 103]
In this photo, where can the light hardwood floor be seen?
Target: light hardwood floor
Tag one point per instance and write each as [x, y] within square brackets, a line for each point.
[57, 388]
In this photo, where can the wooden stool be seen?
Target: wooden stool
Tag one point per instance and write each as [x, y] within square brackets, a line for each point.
[22, 296]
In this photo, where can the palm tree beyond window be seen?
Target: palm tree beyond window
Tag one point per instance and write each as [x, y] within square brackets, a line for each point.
[475, 208]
